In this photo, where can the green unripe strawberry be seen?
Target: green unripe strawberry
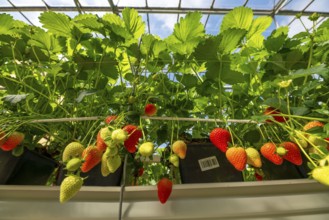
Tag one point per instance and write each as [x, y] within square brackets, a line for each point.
[113, 163]
[18, 151]
[74, 164]
[174, 159]
[70, 187]
[281, 151]
[104, 168]
[146, 149]
[119, 136]
[324, 162]
[321, 174]
[105, 135]
[72, 150]
[317, 141]
[253, 157]
[111, 151]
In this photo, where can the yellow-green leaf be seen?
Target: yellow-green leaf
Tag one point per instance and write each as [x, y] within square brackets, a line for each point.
[240, 17]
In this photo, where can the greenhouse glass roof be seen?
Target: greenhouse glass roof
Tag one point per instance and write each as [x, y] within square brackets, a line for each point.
[160, 16]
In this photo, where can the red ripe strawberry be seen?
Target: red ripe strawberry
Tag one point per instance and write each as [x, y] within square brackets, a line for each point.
[220, 138]
[258, 177]
[237, 156]
[273, 111]
[100, 144]
[312, 124]
[92, 156]
[164, 189]
[134, 134]
[13, 141]
[293, 154]
[140, 171]
[110, 118]
[268, 150]
[150, 109]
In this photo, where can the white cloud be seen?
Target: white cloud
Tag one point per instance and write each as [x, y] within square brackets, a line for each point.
[163, 3]
[60, 2]
[162, 24]
[319, 5]
[27, 3]
[196, 3]
[94, 2]
[131, 3]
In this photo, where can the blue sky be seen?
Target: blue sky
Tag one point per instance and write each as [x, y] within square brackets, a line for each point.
[162, 24]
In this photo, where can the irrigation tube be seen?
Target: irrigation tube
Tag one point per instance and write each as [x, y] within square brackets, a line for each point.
[123, 183]
[94, 118]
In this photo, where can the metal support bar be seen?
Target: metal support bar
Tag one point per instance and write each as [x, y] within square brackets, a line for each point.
[78, 6]
[123, 184]
[305, 13]
[278, 6]
[155, 10]
[114, 8]
[19, 11]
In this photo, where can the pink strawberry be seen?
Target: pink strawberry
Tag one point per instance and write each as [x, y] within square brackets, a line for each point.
[312, 124]
[110, 118]
[237, 156]
[12, 141]
[92, 156]
[150, 109]
[164, 189]
[293, 154]
[220, 138]
[134, 134]
[268, 150]
[274, 111]
[100, 144]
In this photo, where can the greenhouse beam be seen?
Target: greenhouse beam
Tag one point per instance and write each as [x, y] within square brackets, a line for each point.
[154, 10]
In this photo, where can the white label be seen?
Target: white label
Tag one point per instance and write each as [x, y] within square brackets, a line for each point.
[208, 163]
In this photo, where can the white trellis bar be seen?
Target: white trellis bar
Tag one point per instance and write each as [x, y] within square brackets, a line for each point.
[246, 121]
[54, 120]
[163, 118]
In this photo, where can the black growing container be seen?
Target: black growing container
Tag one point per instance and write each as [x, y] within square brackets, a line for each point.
[286, 170]
[30, 168]
[204, 163]
[95, 178]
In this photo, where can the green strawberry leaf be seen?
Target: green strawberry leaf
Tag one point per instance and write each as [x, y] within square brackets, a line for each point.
[133, 22]
[300, 110]
[252, 136]
[45, 41]
[7, 24]
[276, 40]
[56, 23]
[88, 23]
[240, 17]
[259, 25]
[230, 40]
[277, 103]
[256, 41]
[187, 80]
[315, 156]
[187, 34]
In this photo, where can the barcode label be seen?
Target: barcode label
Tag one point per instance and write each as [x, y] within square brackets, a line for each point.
[208, 163]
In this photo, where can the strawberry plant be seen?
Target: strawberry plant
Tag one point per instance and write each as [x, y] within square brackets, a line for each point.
[105, 83]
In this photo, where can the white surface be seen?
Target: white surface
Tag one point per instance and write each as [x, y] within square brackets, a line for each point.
[286, 199]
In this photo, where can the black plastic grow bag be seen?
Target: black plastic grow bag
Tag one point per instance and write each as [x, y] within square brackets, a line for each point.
[30, 168]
